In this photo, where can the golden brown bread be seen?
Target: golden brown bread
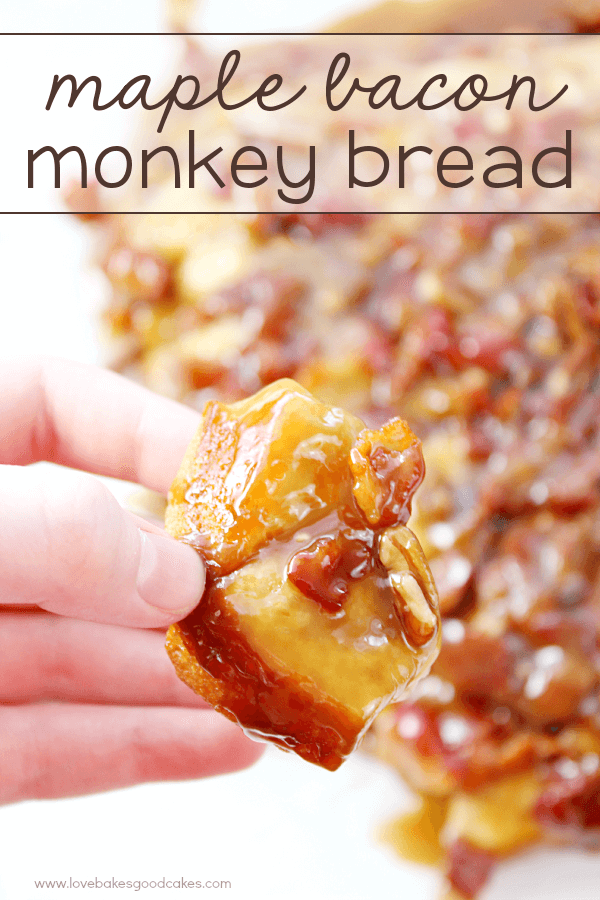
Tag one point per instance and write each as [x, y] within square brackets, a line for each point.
[320, 608]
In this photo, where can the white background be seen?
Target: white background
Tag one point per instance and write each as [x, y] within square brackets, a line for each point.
[283, 829]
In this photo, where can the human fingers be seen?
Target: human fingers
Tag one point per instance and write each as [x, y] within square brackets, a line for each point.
[48, 657]
[64, 750]
[68, 546]
[88, 418]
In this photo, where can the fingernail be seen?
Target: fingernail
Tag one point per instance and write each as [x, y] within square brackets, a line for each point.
[170, 574]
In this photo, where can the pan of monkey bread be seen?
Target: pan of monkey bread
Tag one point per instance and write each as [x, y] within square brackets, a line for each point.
[483, 333]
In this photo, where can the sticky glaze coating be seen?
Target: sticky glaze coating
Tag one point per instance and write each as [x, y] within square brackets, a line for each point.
[320, 608]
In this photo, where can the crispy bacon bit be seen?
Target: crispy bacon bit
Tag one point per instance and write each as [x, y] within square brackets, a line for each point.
[386, 473]
[325, 569]
[570, 809]
[469, 868]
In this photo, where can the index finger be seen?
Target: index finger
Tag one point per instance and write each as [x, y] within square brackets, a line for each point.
[91, 419]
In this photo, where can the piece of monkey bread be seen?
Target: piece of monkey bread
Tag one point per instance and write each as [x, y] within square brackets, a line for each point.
[320, 608]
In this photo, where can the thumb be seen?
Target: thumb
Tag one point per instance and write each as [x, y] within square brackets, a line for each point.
[68, 546]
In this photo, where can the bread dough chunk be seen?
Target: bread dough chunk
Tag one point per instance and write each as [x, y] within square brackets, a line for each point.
[320, 608]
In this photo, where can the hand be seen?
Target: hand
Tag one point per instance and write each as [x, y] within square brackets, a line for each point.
[88, 697]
